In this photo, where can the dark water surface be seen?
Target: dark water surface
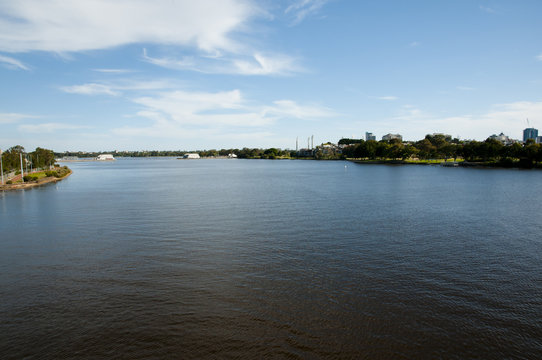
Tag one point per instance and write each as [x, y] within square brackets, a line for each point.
[213, 259]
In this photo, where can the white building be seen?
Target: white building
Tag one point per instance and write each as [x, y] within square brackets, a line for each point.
[105, 157]
[505, 140]
[389, 137]
[191, 156]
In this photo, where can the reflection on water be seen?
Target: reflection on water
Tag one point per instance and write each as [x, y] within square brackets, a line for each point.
[155, 258]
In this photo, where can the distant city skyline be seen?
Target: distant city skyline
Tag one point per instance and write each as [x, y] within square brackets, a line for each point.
[91, 76]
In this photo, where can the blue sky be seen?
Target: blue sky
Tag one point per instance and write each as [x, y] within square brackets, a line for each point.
[187, 75]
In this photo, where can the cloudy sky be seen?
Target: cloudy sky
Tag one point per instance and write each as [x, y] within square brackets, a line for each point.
[184, 74]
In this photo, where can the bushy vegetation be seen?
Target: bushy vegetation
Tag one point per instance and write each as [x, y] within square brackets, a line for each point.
[490, 151]
[58, 172]
[39, 158]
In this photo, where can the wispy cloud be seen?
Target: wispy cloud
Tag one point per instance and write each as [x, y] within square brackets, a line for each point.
[12, 63]
[266, 65]
[415, 44]
[185, 63]
[291, 109]
[301, 9]
[185, 114]
[49, 127]
[487, 9]
[90, 89]
[113, 71]
[539, 57]
[256, 64]
[120, 86]
[9, 118]
[465, 88]
[386, 98]
[508, 118]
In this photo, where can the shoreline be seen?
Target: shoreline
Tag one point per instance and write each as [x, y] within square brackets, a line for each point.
[29, 185]
[463, 164]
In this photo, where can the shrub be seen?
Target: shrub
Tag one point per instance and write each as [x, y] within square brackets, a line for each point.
[9, 182]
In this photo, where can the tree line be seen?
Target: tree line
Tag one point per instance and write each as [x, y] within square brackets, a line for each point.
[246, 153]
[444, 147]
[39, 158]
[438, 146]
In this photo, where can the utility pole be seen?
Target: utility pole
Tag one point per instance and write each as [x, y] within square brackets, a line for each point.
[22, 169]
[312, 142]
[1, 167]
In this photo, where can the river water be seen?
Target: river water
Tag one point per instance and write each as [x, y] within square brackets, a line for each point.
[245, 259]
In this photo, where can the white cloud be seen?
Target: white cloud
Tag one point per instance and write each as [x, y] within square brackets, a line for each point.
[465, 88]
[49, 127]
[386, 98]
[192, 107]
[113, 71]
[290, 109]
[539, 57]
[218, 115]
[12, 63]
[71, 26]
[90, 89]
[9, 118]
[256, 64]
[415, 44]
[121, 85]
[301, 9]
[266, 65]
[186, 63]
[509, 118]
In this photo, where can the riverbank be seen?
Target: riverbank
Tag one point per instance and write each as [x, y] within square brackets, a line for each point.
[505, 164]
[34, 183]
[407, 162]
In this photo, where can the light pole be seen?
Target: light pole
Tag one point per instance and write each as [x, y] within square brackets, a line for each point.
[1, 167]
[22, 169]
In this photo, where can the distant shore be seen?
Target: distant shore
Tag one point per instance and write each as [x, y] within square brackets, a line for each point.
[31, 184]
[461, 163]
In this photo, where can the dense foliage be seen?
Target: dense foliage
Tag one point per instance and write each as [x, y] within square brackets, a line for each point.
[443, 147]
[39, 158]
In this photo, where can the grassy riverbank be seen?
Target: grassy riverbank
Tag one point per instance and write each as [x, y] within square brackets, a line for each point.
[37, 179]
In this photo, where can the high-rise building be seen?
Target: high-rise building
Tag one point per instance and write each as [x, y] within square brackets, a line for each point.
[369, 136]
[530, 133]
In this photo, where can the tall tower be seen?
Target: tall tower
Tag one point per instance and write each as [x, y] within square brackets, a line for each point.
[530, 133]
[297, 144]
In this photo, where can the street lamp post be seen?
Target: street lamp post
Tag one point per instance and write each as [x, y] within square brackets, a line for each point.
[22, 169]
[1, 167]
